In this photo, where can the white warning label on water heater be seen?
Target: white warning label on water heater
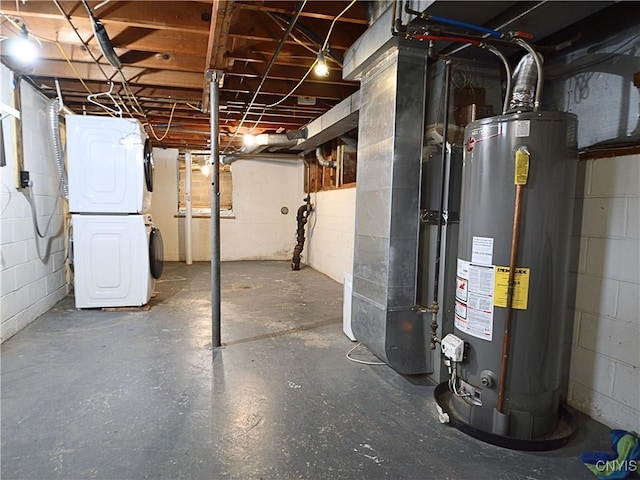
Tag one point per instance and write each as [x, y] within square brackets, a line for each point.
[482, 250]
[463, 269]
[474, 299]
[523, 128]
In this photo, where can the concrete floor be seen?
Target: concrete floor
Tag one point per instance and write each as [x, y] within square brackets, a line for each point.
[132, 395]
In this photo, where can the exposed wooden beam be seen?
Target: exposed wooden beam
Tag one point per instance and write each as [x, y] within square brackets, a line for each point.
[173, 16]
[313, 12]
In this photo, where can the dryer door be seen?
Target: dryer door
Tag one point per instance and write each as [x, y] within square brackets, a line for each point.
[148, 165]
[156, 253]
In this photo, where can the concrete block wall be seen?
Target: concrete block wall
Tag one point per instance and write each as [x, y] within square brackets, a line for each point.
[32, 270]
[257, 230]
[605, 365]
[330, 232]
[164, 201]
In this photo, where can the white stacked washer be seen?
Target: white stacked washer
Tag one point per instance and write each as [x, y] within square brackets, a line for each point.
[117, 251]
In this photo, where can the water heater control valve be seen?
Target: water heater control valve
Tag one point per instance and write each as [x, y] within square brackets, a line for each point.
[453, 348]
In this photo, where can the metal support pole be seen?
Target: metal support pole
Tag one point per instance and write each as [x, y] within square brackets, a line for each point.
[214, 77]
[188, 165]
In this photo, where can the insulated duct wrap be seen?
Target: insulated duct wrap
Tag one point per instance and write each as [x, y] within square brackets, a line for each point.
[524, 85]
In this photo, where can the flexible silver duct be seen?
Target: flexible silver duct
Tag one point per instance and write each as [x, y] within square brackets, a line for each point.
[58, 152]
[323, 161]
[524, 78]
[537, 58]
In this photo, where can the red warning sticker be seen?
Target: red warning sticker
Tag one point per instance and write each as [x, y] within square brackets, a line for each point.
[471, 144]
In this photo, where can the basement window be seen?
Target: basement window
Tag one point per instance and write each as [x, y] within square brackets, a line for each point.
[336, 167]
[201, 188]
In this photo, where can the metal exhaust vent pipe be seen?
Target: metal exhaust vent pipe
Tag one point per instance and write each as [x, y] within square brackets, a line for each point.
[525, 77]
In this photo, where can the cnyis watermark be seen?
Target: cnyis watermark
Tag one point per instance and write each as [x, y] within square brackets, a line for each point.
[617, 465]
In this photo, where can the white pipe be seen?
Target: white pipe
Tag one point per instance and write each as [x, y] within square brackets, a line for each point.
[188, 215]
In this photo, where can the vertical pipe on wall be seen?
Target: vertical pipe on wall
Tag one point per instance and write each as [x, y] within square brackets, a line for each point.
[443, 186]
[513, 262]
[188, 165]
[214, 77]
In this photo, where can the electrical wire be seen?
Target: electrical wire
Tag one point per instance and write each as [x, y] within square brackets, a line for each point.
[86, 46]
[333, 23]
[294, 88]
[168, 125]
[57, 43]
[68, 60]
[125, 84]
[301, 6]
[453, 382]
[324, 46]
[278, 21]
[255, 124]
[31, 200]
[364, 362]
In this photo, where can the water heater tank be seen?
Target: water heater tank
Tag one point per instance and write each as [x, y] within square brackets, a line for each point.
[545, 144]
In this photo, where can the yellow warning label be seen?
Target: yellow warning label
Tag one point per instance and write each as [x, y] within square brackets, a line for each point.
[520, 289]
[522, 167]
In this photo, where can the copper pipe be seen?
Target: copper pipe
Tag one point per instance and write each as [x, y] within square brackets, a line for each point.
[515, 240]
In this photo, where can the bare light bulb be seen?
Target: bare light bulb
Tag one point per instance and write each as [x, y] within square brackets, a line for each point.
[249, 140]
[22, 49]
[321, 68]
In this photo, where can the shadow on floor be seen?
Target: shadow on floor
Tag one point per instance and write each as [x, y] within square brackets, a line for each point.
[141, 394]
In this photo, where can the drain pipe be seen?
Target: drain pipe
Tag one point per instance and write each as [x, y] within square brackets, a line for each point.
[302, 216]
[188, 165]
[443, 179]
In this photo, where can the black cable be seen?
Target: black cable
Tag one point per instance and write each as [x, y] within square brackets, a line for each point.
[86, 46]
[103, 39]
[266, 73]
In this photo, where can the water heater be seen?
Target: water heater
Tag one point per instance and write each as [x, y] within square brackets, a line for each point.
[516, 214]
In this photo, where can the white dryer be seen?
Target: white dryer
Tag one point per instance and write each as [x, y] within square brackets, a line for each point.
[110, 165]
[116, 260]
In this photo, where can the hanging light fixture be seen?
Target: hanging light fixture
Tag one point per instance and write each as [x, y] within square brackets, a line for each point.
[206, 167]
[321, 68]
[23, 49]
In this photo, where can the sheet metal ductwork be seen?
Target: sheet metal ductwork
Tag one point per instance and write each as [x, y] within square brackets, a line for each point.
[390, 134]
[265, 142]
